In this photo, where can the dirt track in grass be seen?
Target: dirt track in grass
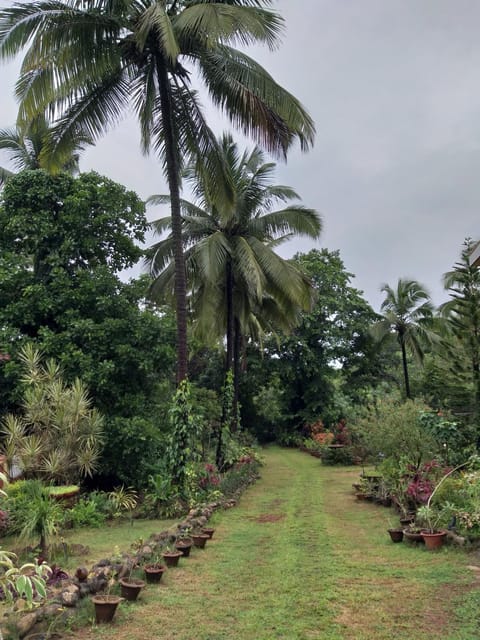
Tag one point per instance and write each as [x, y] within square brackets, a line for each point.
[300, 559]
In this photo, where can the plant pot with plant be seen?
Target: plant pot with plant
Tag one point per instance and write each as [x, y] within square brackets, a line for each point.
[209, 531]
[106, 604]
[413, 534]
[130, 586]
[154, 572]
[171, 556]
[200, 539]
[431, 517]
[396, 534]
[183, 542]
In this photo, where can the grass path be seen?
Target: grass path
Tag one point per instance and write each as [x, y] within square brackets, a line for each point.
[299, 559]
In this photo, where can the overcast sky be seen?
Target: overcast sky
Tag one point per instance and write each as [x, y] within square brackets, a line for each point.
[393, 87]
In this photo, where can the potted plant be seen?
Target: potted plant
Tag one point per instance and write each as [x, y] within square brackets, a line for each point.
[154, 568]
[171, 556]
[396, 533]
[200, 539]
[154, 572]
[412, 533]
[106, 604]
[209, 531]
[130, 587]
[430, 518]
[184, 543]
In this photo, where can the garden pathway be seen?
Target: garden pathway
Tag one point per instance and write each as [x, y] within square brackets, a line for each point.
[300, 559]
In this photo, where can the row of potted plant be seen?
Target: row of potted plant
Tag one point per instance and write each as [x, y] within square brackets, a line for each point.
[167, 557]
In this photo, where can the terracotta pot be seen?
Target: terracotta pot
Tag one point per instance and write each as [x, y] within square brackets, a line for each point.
[208, 531]
[184, 546]
[434, 540]
[200, 540]
[105, 607]
[130, 588]
[154, 572]
[172, 557]
[396, 534]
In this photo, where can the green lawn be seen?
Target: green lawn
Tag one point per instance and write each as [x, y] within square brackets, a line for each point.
[299, 558]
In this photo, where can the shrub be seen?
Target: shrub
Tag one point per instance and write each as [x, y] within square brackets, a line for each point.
[338, 455]
[392, 429]
[85, 514]
[243, 473]
[33, 515]
[58, 436]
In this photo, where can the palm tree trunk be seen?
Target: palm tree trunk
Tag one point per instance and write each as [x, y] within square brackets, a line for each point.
[405, 367]
[236, 373]
[173, 178]
[230, 319]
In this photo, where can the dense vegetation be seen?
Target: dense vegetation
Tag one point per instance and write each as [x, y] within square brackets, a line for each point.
[148, 396]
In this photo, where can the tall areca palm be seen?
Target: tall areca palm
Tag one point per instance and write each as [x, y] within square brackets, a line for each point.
[238, 283]
[140, 54]
[408, 313]
[28, 147]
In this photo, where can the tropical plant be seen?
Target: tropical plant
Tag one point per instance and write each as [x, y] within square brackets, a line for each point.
[238, 284]
[58, 436]
[34, 515]
[27, 148]
[392, 429]
[430, 518]
[121, 54]
[181, 446]
[26, 582]
[407, 313]
[123, 500]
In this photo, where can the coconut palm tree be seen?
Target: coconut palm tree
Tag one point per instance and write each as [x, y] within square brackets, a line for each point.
[28, 148]
[238, 284]
[144, 55]
[407, 312]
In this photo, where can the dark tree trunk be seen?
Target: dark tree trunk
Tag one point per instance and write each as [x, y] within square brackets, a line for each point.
[173, 178]
[236, 372]
[230, 356]
[405, 367]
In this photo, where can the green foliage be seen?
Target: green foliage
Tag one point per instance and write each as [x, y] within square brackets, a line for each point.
[328, 363]
[340, 455]
[181, 446]
[133, 449]
[162, 497]
[243, 473]
[149, 39]
[462, 314]
[85, 513]
[407, 315]
[54, 219]
[392, 429]
[33, 515]
[456, 439]
[123, 500]
[58, 435]
[70, 302]
[238, 281]
[27, 582]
